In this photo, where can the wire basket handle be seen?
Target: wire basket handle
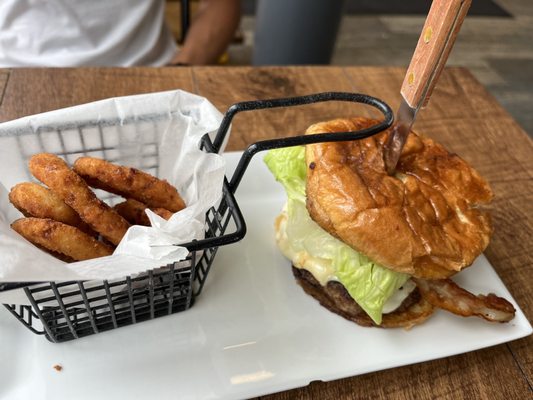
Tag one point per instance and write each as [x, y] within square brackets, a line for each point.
[298, 140]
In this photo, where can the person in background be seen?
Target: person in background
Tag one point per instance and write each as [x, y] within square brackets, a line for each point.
[69, 33]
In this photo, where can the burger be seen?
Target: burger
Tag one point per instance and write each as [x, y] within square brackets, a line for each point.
[379, 250]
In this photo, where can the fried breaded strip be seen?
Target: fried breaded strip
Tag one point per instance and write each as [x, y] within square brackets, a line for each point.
[61, 238]
[72, 189]
[134, 212]
[446, 294]
[129, 183]
[34, 200]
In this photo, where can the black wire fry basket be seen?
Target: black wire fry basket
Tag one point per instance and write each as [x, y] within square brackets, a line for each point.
[70, 310]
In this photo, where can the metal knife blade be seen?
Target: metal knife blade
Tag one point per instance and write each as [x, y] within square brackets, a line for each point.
[405, 117]
[438, 35]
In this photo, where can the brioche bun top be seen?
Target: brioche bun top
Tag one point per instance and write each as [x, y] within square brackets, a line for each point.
[424, 220]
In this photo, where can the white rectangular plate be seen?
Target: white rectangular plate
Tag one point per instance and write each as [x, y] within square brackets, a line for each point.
[253, 331]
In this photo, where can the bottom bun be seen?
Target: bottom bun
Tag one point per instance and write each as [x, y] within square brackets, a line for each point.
[334, 296]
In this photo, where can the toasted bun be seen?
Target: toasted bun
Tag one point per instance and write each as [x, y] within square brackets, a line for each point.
[424, 221]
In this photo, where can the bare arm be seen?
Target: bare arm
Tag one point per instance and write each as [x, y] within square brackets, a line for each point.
[211, 32]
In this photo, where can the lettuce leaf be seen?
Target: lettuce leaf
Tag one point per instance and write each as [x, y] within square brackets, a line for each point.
[288, 167]
[369, 284]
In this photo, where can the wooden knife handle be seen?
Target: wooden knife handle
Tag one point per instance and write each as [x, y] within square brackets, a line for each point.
[434, 45]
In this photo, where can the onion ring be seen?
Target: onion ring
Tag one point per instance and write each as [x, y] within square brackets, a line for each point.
[130, 183]
[72, 189]
[61, 238]
[34, 200]
[135, 212]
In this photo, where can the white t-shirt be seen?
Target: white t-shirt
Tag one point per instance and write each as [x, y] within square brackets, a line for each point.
[64, 33]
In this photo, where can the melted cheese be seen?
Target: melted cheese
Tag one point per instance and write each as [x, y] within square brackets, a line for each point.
[398, 297]
[322, 269]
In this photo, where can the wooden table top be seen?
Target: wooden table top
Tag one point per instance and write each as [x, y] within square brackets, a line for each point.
[462, 115]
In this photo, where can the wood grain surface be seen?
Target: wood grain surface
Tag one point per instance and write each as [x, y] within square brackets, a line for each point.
[461, 114]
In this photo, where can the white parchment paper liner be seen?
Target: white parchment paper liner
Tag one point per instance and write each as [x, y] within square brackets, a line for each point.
[161, 129]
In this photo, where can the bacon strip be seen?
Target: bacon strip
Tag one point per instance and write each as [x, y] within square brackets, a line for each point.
[446, 294]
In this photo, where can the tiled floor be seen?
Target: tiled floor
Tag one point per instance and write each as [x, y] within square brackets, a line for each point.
[498, 51]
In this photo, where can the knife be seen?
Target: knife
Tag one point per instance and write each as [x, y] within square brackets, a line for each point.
[438, 35]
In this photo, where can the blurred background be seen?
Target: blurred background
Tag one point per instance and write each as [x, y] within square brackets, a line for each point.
[495, 42]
